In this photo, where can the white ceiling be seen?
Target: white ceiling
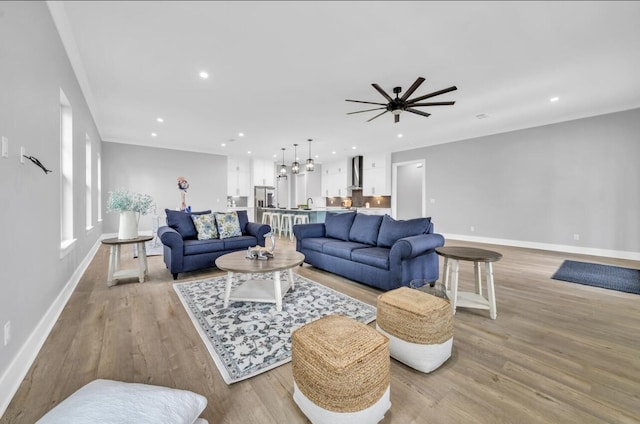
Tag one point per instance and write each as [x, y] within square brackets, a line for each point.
[280, 71]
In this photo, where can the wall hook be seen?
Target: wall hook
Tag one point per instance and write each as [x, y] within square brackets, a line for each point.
[37, 162]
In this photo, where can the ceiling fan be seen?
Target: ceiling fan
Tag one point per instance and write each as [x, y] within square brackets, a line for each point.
[400, 104]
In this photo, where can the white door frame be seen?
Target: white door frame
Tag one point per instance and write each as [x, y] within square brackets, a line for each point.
[394, 185]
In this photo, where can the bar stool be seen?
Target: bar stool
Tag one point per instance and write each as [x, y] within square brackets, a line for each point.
[301, 218]
[275, 221]
[266, 217]
[286, 224]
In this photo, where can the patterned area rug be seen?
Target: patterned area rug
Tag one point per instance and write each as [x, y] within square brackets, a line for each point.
[249, 338]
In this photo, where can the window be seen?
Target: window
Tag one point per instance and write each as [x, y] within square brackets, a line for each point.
[66, 174]
[88, 187]
[99, 163]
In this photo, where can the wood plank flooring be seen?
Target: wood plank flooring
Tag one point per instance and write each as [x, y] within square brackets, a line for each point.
[557, 353]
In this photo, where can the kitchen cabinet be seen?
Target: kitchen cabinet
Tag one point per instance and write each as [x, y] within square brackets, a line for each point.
[376, 175]
[263, 173]
[335, 178]
[238, 177]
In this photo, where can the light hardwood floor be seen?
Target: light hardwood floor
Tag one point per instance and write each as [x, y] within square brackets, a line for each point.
[557, 353]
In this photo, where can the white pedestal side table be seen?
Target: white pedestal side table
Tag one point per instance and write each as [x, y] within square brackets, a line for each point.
[115, 273]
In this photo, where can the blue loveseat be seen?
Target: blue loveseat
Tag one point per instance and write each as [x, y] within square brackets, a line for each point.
[183, 252]
[375, 250]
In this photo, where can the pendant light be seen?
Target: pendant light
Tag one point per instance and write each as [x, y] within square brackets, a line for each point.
[310, 165]
[283, 168]
[295, 166]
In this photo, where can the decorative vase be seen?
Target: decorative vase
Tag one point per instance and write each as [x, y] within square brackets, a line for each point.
[128, 225]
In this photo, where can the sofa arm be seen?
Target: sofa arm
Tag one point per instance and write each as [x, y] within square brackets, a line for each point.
[302, 231]
[171, 238]
[258, 231]
[411, 247]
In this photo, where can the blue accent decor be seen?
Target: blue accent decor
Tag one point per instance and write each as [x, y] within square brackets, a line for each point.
[598, 275]
[392, 230]
[338, 225]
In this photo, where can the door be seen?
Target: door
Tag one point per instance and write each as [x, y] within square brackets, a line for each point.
[408, 200]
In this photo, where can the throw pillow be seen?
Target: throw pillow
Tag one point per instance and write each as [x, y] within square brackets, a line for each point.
[182, 223]
[228, 224]
[205, 226]
[244, 220]
[338, 225]
[392, 230]
[108, 401]
[365, 228]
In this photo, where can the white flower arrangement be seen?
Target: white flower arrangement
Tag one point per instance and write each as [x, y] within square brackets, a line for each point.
[123, 200]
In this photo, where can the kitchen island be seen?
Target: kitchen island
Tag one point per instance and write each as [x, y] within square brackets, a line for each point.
[315, 215]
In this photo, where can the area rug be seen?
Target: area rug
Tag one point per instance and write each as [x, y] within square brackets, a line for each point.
[249, 338]
[598, 275]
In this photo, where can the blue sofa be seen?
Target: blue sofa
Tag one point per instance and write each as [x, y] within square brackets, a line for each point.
[183, 252]
[375, 250]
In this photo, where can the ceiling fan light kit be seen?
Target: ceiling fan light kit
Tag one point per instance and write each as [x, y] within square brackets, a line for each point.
[404, 104]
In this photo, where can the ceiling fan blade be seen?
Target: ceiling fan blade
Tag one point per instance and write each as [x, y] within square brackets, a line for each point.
[413, 88]
[431, 104]
[368, 110]
[417, 112]
[381, 91]
[369, 103]
[396, 118]
[380, 114]
[435, 93]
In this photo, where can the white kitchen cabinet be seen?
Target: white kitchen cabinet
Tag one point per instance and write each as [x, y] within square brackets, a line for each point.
[238, 177]
[335, 178]
[376, 178]
[263, 173]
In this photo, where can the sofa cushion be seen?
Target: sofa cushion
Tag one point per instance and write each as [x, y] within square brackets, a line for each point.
[365, 229]
[182, 223]
[228, 224]
[392, 230]
[315, 243]
[342, 249]
[205, 226]
[241, 242]
[374, 256]
[338, 225]
[196, 247]
[243, 219]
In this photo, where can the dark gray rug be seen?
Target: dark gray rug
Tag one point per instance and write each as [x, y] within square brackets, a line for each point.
[598, 275]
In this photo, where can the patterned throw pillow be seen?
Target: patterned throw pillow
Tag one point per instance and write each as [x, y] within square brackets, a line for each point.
[228, 224]
[206, 226]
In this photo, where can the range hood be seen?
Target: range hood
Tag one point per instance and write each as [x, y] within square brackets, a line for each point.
[356, 173]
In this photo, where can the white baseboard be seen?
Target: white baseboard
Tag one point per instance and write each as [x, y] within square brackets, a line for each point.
[619, 254]
[12, 378]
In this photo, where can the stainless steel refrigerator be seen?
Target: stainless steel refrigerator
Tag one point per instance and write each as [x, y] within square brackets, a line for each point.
[264, 198]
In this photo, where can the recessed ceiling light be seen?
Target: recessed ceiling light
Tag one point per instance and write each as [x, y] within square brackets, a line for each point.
[333, 153]
[317, 156]
[249, 152]
[399, 135]
[223, 144]
[554, 99]
[240, 134]
[275, 155]
[204, 75]
[154, 135]
[160, 120]
[353, 148]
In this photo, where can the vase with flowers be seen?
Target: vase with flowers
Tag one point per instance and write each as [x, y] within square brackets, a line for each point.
[130, 206]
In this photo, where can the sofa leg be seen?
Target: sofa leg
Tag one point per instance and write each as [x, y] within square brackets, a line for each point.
[175, 276]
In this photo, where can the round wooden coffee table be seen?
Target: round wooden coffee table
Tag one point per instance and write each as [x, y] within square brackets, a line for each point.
[259, 290]
[452, 255]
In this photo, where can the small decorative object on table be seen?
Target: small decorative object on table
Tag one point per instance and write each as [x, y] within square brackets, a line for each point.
[183, 185]
[131, 206]
[262, 253]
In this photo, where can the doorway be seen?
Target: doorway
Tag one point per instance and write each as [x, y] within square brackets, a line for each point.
[409, 188]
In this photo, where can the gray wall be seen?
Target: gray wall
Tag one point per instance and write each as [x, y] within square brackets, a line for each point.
[155, 172]
[33, 69]
[542, 184]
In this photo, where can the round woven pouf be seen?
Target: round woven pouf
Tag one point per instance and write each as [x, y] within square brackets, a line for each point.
[340, 371]
[419, 327]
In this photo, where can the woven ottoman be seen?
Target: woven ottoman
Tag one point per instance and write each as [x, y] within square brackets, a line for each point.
[419, 327]
[340, 371]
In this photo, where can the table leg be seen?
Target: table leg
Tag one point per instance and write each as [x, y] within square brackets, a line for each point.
[478, 277]
[112, 264]
[291, 278]
[493, 311]
[227, 289]
[445, 271]
[142, 259]
[454, 285]
[117, 258]
[278, 290]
